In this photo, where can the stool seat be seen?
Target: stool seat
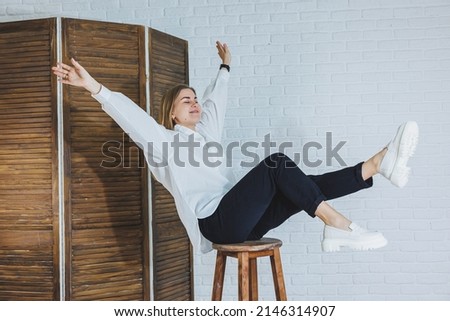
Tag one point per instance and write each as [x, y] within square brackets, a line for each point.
[263, 244]
[247, 253]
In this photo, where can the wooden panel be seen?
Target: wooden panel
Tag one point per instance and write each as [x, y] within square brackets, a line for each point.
[106, 212]
[29, 259]
[172, 251]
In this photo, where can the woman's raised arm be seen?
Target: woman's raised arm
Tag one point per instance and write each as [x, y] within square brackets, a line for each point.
[77, 76]
[142, 128]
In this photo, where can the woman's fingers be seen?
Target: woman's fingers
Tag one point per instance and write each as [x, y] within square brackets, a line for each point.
[57, 69]
[62, 74]
[224, 52]
[64, 66]
[65, 71]
[73, 74]
[75, 63]
[220, 46]
[59, 72]
[60, 67]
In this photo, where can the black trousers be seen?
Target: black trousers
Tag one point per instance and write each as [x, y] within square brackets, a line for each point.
[272, 192]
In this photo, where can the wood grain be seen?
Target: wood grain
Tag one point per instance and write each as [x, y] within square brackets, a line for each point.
[106, 206]
[173, 279]
[29, 260]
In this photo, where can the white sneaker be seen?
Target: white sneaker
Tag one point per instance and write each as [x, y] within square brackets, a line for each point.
[399, 150]
[356, 239]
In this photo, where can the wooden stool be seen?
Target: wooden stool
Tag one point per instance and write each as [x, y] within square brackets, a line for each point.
[247, 253]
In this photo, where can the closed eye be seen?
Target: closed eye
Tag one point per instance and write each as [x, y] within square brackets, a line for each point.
[188, 99]
[188, 102]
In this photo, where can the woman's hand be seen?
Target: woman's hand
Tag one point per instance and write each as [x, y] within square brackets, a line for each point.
[76, 76]
[224, 52]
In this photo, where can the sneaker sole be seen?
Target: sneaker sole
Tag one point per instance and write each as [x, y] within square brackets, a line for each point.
[335, 245]
[407, 147]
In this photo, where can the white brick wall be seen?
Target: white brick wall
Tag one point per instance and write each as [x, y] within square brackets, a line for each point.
[356, 68]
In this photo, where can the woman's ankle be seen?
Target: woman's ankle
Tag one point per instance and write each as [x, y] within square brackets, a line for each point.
[331, 217]
[379, 159]
[371, 167]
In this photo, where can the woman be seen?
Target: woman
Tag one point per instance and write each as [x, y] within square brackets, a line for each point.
[211, 205]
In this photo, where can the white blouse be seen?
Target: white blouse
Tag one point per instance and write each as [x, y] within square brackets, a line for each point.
[190, 164]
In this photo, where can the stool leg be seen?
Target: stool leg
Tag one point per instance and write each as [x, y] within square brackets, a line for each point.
[277, 273]
[253, 280]
[219, 274]
[243, 276]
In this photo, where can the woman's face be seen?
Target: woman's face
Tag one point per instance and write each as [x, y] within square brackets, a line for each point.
[186, 110]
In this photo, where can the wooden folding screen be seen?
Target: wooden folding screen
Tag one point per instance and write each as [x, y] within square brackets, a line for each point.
[91, 185]
[106, 220]
[172, 268]
[29, 254]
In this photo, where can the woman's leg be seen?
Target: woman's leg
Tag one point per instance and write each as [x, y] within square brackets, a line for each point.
[391, 162]
[247, 202]
[344, 182]
[279, 210]
[350, 179]
[371, 167]
[332, 185]
[272, 192]
[340, 231]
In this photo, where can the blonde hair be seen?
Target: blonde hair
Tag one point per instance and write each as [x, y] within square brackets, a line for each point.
[167, 104]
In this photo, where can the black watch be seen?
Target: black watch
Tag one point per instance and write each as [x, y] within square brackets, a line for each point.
[227, 67]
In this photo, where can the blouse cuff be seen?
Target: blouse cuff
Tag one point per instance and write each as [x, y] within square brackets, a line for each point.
[103, 95]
